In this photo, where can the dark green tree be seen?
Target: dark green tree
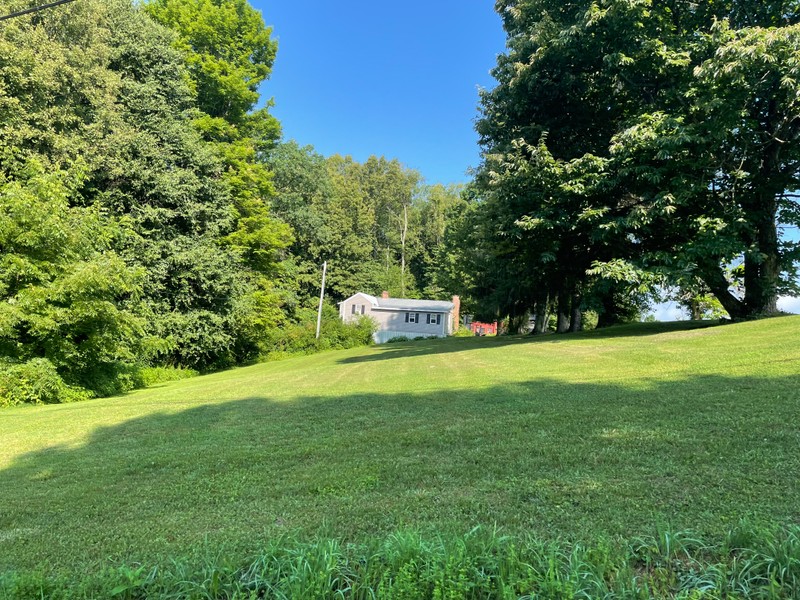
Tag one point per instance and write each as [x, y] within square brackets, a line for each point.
[675, 118]
[63, 326]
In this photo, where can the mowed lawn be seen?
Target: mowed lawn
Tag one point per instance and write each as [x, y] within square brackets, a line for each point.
[574, 437]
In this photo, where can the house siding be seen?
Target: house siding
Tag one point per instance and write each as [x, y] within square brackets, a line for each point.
[359, 300]
[391, 321]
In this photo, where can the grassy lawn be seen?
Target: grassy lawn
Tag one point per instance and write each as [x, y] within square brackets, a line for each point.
[573, 437]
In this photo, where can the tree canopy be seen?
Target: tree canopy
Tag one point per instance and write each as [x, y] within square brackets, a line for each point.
[632, 144]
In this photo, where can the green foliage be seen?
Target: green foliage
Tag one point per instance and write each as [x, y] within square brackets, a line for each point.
[300, 337]
[463, 332]
[397, 339]
[377, 227]
[35, 381]
[638, 135]
[228, 50]
[481, 564]
[62, 293]
[147, 376]
[101, 86]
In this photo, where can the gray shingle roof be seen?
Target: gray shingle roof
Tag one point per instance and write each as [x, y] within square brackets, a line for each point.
[409, 304]
[406, 304]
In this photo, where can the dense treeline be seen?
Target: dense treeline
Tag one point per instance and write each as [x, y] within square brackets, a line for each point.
[150, 216]
[380, 228]
[633, 145]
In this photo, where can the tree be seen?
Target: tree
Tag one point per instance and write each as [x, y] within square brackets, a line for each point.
[363, 218]
[99, 84]
[437, 208]
[62, 294]
[676, 119]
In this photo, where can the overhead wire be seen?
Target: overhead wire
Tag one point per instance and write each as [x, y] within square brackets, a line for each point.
[34, 9]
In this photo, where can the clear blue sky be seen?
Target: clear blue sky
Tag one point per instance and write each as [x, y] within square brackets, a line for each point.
[398, 79]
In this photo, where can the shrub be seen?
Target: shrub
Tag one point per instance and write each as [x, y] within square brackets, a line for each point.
[147, 376]
[398, 338]
[463, 332]
[35, 382]
[300, 337]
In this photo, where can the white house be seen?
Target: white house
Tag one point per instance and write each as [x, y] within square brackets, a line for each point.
[403, 317]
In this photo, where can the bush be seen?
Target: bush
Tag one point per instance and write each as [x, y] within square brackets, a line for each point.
[463, 332]
[398, 338]
[35, 382]
[300, 338]
[147, 376]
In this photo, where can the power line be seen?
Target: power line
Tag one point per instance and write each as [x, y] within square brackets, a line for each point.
[28, 11]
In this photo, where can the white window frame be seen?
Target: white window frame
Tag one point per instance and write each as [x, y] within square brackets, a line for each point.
[434, 319]
[412, 317]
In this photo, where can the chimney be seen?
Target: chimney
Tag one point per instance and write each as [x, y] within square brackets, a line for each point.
[384, 294]
[456, 313]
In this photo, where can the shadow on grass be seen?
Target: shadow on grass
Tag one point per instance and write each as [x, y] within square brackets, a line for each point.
[442, 346]
[556, 459]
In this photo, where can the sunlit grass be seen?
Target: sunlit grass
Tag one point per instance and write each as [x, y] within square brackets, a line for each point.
[571, 437]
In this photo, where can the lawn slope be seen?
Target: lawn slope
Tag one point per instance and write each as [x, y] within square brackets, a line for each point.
[574, 437]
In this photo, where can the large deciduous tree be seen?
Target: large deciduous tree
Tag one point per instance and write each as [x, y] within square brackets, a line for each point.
[101, 85]
[669, 133]
[63, 325]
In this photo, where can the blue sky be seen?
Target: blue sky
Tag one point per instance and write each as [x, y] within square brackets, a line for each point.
[398, 79]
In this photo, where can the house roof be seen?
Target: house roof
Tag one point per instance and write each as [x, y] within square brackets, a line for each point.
[407, 304]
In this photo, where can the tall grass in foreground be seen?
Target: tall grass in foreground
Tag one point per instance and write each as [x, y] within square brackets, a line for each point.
[747, 563]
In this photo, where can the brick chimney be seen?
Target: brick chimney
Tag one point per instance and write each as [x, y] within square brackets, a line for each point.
[456, 313]
[384, 294]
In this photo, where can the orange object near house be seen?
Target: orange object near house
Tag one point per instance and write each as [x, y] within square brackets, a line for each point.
[479, 328]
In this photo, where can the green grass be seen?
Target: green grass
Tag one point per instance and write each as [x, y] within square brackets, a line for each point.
[578, 438]
[478, 565]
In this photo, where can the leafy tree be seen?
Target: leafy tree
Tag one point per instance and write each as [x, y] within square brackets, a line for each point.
[673, 110]
[62, 293]
[100, 82]
[437, 209]
[363, 218]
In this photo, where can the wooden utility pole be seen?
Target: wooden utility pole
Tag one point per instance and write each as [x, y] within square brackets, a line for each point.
[321, 296]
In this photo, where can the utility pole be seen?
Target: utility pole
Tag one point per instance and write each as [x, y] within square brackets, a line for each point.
[321, 296]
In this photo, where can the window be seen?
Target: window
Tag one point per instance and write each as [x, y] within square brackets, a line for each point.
[412, 317]
[358, 309]
[434, 318]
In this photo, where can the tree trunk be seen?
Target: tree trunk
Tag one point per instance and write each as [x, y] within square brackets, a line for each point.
[576, 322]
[715, 280]
[608, 314]
[696, 313]
[761, 264]
[563, 311]
[540, 324]
[762, 261]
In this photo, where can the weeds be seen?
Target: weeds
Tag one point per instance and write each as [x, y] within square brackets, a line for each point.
[481, 564]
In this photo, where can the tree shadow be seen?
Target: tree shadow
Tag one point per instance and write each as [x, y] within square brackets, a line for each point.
[449, 345]
[558, 459]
